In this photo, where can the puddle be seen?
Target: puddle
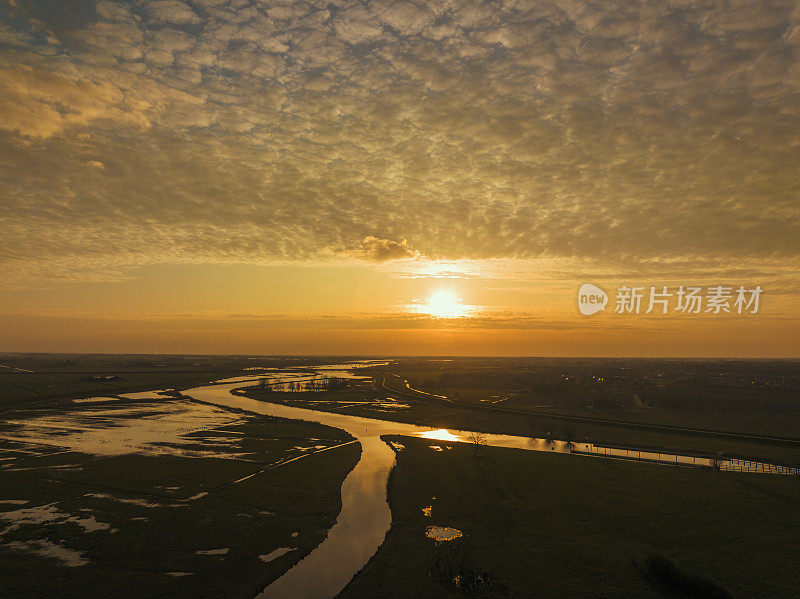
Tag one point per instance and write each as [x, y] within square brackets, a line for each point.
[46, 515]
[68, 557]
[74, 467]
[223, 551]
[139, 502]
[155, 394]
[443, 533]
[95, 399]
[276, 554]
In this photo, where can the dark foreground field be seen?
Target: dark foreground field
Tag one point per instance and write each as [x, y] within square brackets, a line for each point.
[544, 525]
[151, 525]
[78, 519]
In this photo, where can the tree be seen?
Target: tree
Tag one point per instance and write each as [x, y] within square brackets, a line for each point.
[569, 436]
[477, 439]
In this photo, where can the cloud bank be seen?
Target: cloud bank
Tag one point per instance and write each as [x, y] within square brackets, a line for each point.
[236, 130]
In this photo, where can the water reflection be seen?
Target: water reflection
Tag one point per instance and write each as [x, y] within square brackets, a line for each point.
[147, 428]
[443, 533]
[280, 551]
[359, 531]
[441, 434]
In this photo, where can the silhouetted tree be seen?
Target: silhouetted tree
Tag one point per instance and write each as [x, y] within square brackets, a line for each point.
[477, 439]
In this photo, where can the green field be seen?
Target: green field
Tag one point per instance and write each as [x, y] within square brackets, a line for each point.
[538, 525]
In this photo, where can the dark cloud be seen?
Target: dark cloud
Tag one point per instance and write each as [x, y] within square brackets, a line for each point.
[382, 250]
[253, 131]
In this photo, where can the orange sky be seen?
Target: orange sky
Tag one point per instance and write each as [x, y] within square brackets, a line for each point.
[381, 310]
[303, 177]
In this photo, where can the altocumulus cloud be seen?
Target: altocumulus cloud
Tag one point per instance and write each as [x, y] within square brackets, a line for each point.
[39, 104]
[382, 250]
[259, 131]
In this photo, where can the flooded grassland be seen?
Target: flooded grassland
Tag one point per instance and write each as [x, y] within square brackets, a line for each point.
[150, 495]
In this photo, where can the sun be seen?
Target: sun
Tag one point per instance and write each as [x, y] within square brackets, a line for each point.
[444, 304]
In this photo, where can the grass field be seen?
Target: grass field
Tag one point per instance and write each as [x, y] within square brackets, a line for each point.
[539, 525]
[753, 397]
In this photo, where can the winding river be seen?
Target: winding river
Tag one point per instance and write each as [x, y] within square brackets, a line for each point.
[365, 517]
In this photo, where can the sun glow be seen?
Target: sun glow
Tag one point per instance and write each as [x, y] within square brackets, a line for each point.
[444, 304]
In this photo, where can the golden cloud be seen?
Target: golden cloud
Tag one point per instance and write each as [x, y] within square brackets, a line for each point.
[374, 249]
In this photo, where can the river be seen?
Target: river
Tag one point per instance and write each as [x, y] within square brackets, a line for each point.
[365, 517]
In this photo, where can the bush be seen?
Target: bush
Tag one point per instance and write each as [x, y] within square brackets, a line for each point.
[454, 567]
[674, 582]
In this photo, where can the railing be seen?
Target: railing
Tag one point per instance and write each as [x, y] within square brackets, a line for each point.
[724, 463]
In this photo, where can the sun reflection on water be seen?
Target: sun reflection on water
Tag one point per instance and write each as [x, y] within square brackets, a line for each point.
[441, 434]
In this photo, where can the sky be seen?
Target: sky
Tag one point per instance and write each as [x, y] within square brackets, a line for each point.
[238, 176]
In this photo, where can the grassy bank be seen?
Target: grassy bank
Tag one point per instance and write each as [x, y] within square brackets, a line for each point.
[539, 524]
